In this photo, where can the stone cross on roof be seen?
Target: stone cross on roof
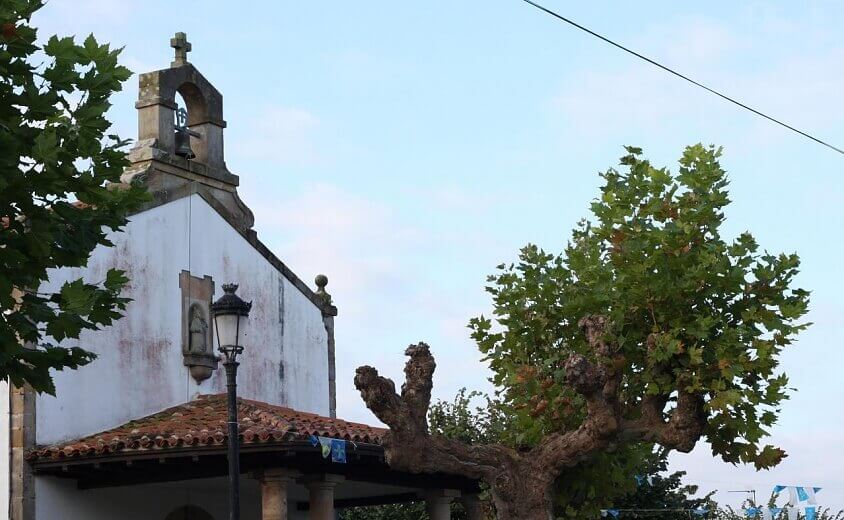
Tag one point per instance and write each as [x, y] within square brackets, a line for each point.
[183, 47]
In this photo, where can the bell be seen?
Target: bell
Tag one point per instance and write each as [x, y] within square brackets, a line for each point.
[183, 148]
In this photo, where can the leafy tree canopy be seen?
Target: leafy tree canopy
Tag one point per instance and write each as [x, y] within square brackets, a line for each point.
[57, 161]
[688, 310]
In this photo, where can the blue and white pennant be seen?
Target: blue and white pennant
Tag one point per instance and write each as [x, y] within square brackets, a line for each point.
[799, 497]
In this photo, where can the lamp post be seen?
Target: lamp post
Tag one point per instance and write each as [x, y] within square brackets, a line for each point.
[230, 318]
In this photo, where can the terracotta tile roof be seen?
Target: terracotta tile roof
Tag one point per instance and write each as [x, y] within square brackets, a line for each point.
[202, 423]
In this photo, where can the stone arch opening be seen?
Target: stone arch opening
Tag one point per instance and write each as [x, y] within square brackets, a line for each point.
[189, 512]
[195, 103]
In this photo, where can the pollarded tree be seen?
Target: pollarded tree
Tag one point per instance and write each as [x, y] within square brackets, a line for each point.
[649, 328]
[57, 161]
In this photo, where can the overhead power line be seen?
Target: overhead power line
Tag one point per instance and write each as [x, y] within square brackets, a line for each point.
[681, 76]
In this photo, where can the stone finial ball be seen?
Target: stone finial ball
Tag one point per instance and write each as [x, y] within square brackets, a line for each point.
[321, 281]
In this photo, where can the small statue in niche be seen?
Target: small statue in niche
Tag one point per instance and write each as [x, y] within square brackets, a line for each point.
[197, 347]
[198, 331]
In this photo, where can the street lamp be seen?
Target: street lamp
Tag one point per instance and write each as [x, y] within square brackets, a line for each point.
[230, 317]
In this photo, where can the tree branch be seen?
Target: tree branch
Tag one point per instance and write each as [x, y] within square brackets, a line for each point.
[416, 390]
[680, 431]
[598, 383]
[408, 445]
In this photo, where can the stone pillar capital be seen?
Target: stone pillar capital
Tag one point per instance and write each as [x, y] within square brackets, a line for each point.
[284, 475]
[438, 503]
[445, 494]
[322, 480]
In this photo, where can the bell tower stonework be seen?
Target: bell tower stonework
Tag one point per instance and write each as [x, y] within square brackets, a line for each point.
[156, 159]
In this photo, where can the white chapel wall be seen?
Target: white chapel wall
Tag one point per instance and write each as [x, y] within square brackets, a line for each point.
[295, 340]
[61, 499]
[139, 369]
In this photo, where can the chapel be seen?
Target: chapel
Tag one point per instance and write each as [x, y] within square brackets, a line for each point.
[141, 432]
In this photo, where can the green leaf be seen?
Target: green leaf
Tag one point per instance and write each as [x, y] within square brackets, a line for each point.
[74, 160]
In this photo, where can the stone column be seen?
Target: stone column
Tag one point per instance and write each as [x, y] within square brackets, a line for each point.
[472, 505]
[208, 147]
[155, 118]
[22, 439]
[321, 492]
[438, 503]
[274, 493]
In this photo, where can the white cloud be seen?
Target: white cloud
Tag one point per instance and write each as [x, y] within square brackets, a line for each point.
[453, 197]
[385, 299]
[285, 134]
[596, 101]
[358, 243]
[815, 456]
[697, 41]
[354, 240]
[103, 18]
[640, 99]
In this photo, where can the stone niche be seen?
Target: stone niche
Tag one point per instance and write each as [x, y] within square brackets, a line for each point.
[197, 340]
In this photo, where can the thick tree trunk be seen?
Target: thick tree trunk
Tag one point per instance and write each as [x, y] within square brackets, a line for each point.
[518, 494]
[527, 507]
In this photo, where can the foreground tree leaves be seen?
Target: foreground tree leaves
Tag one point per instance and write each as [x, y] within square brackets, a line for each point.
[59, 194]
[649, 328]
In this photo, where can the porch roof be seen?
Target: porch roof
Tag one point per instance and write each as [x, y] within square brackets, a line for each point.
[202, 424]
[189, 441]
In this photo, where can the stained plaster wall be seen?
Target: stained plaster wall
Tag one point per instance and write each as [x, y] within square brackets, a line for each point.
[139, 369]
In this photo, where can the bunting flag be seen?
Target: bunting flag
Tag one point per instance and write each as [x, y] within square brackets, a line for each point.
[641, 479]
[773, 512]
[799, 498]
[336, 448]
[798, 494]
[325, 443]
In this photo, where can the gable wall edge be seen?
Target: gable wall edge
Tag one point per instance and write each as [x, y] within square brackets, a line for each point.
[163, 197]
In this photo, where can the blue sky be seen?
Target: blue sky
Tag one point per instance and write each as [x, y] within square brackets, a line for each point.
[406, 148]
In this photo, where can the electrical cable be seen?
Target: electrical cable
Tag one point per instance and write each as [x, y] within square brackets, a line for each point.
[675, 73]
